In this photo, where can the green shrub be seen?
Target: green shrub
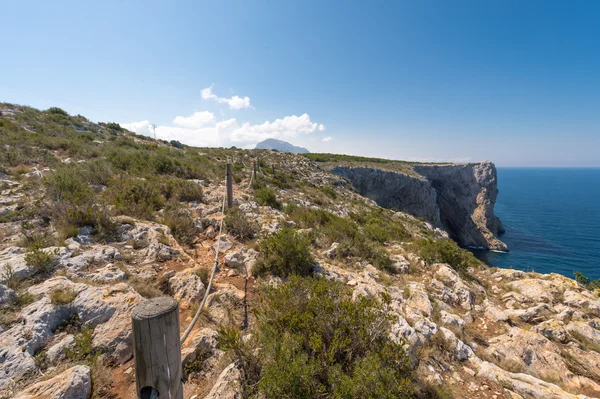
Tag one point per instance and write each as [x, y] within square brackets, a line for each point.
[238, 225]
[68, 184]
[57, 111]
[181, 190]
[135, 197]
[445, 251]
[114, 126]
[265, 196]
[83, 349]
[41, 260]
[316, 341]
[585, 281]
[179, 220]
[204, 275]
[285, 253]
[62, 296]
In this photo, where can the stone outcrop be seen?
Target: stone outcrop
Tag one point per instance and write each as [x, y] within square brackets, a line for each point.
[74, 383]
[458, 197]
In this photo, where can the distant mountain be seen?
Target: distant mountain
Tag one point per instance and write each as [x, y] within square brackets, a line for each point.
[279, 145]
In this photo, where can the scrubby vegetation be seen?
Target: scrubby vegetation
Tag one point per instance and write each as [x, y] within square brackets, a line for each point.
[62, 296]
[446, 251]
[285, 253]
[315, 341]
[266, 197]
[238, 225]
[586, 282]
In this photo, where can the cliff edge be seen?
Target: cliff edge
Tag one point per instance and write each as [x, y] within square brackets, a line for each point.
[458, 197]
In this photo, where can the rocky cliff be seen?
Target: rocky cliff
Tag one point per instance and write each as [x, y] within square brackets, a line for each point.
[458, 197]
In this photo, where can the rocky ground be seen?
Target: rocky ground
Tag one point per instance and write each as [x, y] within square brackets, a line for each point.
[483, 333]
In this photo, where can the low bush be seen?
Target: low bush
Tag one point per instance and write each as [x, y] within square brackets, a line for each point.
[181, 223]
[135, 197]
[41, 260]
[83, 349]
[285, 253]
[204, 275]
[316, 341]
[445, 251]
[181, 190]
[266, 197]
[68, 184]
[585, 281]
[114, 126]
[238, 225]
[58, 111]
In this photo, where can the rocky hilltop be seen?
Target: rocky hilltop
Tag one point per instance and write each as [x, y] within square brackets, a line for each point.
[319, 292]
[459, 197]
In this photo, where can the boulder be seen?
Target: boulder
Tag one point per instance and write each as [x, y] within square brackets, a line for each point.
[242, 260]
[187, 287]
[400, 264]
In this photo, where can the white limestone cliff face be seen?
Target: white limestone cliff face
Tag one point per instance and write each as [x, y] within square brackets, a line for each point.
[458, 197]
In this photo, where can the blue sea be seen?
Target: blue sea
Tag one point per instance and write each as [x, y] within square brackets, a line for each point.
[552, 220]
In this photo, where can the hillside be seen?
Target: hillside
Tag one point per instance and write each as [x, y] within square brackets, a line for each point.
[319, 292]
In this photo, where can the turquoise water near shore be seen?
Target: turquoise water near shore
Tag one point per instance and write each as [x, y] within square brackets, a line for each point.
[552, 220]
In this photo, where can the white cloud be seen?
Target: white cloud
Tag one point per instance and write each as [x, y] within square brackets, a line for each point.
[203, 130]
[326, 138]
[235, 102]
[196, 120]
[142, 127]
[321, 127]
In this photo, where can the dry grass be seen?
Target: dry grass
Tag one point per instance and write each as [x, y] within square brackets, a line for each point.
[62, 296]
[144, 287]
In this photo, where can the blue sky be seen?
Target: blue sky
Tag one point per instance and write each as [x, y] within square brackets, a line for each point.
[514, 82]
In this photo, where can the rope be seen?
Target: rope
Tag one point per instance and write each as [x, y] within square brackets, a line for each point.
[212, 275]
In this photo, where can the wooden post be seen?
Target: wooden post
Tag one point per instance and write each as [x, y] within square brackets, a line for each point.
[156, 349]
[254, 171]
[229, 186]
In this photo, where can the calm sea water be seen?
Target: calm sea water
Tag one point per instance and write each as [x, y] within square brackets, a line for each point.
[552, 220]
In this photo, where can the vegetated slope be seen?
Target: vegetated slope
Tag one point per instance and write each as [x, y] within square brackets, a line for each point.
[320, 292]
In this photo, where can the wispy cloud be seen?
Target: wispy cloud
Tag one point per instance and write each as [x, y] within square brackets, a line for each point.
[327, 138]
[235, 102]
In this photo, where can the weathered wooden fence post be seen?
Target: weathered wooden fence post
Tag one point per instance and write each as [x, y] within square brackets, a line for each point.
[229, 186]
[254, 171]
[156, 349]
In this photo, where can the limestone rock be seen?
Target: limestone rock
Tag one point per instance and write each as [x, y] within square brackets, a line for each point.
[6, 295]
[223, 243]
[57, 351]
[187, 287]
[399, 264]
[242, 260]
[553, 330]
[74, 383]
[107, 274]
[228, 385]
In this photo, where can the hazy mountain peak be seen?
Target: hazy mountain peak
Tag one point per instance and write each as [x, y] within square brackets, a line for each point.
[280, 145]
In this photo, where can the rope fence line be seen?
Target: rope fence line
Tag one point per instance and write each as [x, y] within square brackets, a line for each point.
[212, 275]
[214, 269]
